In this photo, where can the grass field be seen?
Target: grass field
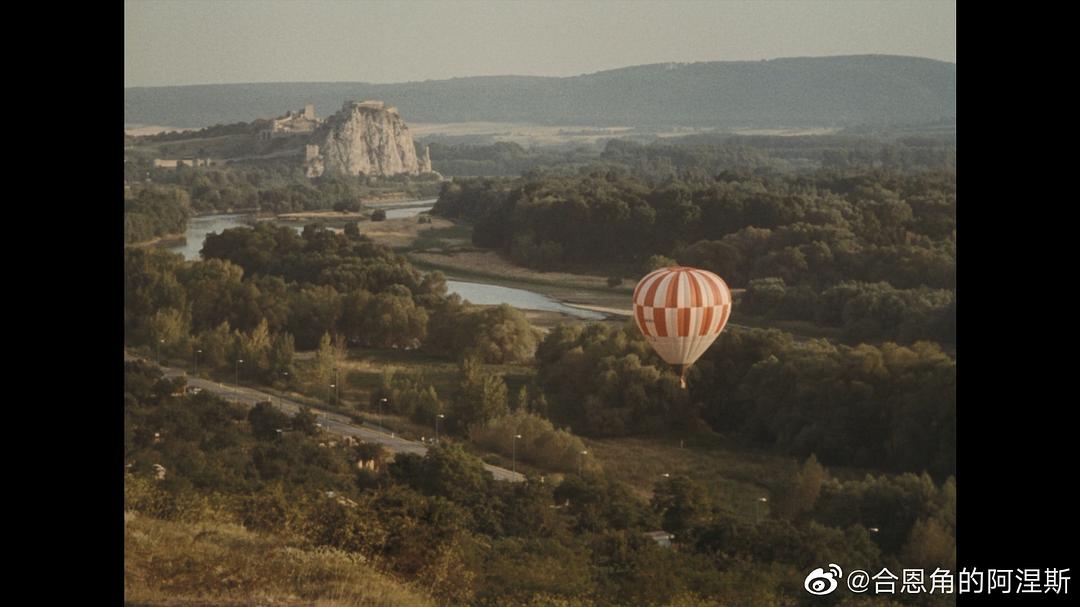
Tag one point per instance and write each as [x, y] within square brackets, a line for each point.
[213, 564]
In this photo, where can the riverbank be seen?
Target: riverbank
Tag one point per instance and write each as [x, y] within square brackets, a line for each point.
[578, 290]
[166, 240]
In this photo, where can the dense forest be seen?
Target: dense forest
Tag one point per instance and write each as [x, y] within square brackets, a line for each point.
[886, 408]
[150, 212]
[697, 158]
[869, 250]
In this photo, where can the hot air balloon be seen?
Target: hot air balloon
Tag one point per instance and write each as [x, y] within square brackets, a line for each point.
[681, 311]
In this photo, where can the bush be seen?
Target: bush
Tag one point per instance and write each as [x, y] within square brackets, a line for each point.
[347, 206]
[266, 421]
[378, 215]
[540, 443]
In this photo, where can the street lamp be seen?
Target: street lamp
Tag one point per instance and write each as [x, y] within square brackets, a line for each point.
[337, 389]
[581, 460]
[328, 396]
[236, 388]
[160, 341]
[437, 418]
[382, 401]
[197, 353]
[514, 468]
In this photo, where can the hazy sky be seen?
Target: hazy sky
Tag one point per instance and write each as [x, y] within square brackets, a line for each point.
[216, 41]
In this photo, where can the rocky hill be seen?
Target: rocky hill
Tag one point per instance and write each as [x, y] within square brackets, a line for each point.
[794, 92]
[364, 137]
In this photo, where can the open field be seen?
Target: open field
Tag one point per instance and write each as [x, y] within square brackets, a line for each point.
[143, 130]
[524, 134]
[735, 476]
[218, 564]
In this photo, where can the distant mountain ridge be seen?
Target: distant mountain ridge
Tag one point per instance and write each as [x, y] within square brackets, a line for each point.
[793, 92]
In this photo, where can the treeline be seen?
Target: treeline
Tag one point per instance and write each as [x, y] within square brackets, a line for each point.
[691, 153]
[503, 158]
[278, 187]
[699, 158]
[817, 229]
[217, 130]
[480, 407]
[306, 286]
[886, 408]
[152, 211]
[440, 520]
[865, 311]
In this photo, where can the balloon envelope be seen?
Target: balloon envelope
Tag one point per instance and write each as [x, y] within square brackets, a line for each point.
[681, 311]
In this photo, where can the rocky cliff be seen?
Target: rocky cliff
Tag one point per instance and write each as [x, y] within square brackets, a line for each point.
[364, 137]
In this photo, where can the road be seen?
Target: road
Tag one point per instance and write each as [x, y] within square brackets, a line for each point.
[331, 422]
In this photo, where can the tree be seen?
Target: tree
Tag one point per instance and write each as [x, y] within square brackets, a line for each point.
[313, 312]
[215, 345]
[281, 359]
[329, 356]
[378, 215]
[347, 206]
[392, 320]
[254, 348]
[448, 471]
[656, 262]
[930, 544]
[802, 493]
[169, 329]
[502, 334]
[304, 421]
[481, 397]
[266, 420]
[682, 503]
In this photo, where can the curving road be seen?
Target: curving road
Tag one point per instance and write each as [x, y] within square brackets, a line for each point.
[332, 422]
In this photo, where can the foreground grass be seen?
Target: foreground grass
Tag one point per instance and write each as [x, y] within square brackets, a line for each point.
[219, 564]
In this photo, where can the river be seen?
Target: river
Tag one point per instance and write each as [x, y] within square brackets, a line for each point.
[475, 292]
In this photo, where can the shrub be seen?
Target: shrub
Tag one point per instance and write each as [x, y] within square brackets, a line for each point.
[541, 443]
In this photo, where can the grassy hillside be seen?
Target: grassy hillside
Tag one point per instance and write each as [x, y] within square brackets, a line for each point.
[216, 564]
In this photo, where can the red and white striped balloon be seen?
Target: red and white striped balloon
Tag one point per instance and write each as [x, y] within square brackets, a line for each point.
[681, 311]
